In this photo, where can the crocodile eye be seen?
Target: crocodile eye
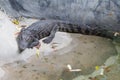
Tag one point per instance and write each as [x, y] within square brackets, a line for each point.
[29, 39]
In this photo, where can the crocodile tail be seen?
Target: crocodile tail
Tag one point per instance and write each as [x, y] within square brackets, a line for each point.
[87, 30]
[98, 31]
[70, 28]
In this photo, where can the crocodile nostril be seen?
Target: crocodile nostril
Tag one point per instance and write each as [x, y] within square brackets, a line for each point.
[21, 50]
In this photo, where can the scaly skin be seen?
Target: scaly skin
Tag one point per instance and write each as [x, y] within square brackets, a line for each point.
[29, 37]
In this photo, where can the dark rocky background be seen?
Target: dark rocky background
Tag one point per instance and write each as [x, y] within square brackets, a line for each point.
[104, 13]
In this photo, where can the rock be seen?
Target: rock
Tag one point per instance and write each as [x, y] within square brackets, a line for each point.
[103, 13]
[82, 52]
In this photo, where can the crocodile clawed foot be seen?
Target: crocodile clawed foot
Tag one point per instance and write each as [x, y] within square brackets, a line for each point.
[38, 46]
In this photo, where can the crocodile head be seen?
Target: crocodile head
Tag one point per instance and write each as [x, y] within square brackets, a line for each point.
[25, 39]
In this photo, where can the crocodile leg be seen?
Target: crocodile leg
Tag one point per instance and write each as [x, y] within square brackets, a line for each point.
[35, 43]
[52, 34]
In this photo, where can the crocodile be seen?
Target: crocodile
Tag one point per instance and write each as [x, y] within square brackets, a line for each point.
[29, 37]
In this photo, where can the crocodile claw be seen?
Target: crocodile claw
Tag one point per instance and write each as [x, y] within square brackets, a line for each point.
[38, 46]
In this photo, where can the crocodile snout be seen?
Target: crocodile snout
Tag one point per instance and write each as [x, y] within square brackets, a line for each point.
[21, 49]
